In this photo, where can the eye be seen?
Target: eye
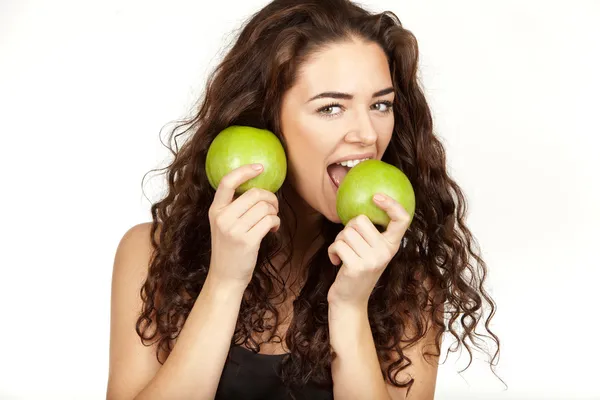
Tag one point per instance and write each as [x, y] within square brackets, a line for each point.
[388, 106]
[326, 111]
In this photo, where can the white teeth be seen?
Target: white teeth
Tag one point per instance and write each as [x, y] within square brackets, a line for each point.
[351, 163]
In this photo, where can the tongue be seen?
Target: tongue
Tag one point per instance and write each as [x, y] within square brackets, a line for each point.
[337, 173]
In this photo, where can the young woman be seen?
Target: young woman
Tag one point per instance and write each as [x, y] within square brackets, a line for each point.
[267, 295]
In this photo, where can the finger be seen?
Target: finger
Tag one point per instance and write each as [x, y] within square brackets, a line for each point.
[363, 225]
[357, 242]
[343, 252]
[335, 260]
[230, 182]
[333, 257]
[247, 200]
[251, 217]
[267, 223]
[399, 218]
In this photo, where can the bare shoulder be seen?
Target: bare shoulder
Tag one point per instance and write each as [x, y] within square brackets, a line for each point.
[131, 364]
[136, 240]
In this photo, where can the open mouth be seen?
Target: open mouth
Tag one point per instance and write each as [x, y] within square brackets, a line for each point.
[338, 171]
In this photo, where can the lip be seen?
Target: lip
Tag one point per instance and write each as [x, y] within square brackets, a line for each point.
[354, 157]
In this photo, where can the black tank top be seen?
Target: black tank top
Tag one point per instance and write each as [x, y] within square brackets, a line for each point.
[252, 376]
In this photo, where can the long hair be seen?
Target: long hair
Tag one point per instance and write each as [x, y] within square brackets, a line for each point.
[246, 88]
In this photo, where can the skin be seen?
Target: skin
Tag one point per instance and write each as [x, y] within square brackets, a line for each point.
[358, 125]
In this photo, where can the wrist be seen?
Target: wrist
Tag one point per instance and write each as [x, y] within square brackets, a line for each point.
[348, 320]
[339, 310]
[224, 289]
[349, 328]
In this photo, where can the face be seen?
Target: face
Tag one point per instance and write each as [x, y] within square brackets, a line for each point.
[339, 109]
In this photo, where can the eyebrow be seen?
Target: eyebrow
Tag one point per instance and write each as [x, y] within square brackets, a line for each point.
[347, 96]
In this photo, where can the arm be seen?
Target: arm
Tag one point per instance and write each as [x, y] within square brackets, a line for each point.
[364, 253]
[356, 369]
[194, 366]
[134, 371]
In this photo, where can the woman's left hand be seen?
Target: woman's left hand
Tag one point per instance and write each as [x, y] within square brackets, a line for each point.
[365, 253]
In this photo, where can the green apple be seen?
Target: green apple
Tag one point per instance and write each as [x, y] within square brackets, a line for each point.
[239, 145]
[355, 194]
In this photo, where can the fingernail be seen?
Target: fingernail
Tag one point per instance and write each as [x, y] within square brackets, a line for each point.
[257, 167]
[379, 198]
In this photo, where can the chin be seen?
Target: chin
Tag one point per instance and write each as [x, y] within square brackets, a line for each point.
[335, 220]
[332, 217]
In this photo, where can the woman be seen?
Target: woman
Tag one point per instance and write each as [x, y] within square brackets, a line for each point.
[267, 295]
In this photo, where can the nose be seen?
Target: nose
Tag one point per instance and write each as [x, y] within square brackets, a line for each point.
[362, 132]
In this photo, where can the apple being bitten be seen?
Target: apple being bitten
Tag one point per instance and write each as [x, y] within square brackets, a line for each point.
[355, 193]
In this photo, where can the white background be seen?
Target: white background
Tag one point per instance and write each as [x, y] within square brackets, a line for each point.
[85, 88]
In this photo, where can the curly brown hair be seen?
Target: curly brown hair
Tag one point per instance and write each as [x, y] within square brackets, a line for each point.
[246, 89]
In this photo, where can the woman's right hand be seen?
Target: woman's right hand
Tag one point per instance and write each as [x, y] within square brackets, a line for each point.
[238, 226]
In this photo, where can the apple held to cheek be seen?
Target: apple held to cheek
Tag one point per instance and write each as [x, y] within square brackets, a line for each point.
[355, 194]
[240, 145]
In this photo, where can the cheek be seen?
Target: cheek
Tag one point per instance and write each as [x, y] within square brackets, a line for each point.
[303, 159]
[387, 130]
[307, 147]
[304, 163]
[307, 152]
[383, 142]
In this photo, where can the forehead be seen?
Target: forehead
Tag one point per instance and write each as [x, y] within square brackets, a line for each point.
[353, 67]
